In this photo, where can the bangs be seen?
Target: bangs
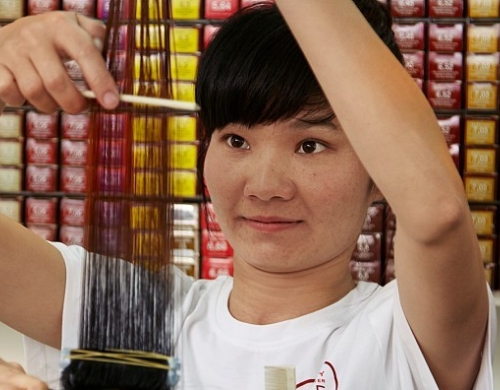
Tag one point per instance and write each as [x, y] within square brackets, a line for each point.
[253, 72]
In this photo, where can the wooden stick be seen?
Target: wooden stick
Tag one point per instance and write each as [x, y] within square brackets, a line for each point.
[152, 101]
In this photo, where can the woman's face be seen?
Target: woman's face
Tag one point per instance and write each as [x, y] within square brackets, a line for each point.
[289, 196]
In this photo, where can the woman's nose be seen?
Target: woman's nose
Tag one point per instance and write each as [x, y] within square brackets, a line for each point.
[269, 177]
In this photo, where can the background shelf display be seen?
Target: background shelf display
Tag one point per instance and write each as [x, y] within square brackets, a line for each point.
[451, 49]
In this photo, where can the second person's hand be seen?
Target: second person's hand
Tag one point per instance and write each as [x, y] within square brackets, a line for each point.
[13, 377]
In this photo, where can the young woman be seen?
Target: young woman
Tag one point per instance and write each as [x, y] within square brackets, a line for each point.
[292, 159]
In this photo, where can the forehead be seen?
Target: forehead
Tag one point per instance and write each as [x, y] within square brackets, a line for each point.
[313, 118]
[323, 112]
[303, 126]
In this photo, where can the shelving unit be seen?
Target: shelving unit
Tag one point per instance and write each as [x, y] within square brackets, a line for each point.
[381, 231]
[441, 41]
[373, 257]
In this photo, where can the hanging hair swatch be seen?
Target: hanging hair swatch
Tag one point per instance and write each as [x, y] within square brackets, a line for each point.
[128, 298]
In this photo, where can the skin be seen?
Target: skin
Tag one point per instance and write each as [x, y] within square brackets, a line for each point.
[406, 155]
[13, 377]
[438, 264]
[31, 70]
[278, 207]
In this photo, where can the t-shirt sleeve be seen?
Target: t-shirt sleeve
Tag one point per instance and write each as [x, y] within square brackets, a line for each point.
[73, 258]
[485, 377]
[421, 375]
[42, 361]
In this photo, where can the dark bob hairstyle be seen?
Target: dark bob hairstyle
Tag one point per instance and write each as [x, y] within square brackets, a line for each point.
[253, 71]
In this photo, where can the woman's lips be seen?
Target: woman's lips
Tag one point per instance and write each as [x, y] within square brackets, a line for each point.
[271, 224]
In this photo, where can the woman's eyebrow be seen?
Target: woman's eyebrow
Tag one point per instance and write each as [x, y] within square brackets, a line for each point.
[307, 122]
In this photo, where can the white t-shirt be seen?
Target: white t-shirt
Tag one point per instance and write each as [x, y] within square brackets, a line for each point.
[361, 342]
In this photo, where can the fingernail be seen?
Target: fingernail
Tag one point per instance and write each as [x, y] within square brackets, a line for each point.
[86, 110]
[98, 43]
[110, 100]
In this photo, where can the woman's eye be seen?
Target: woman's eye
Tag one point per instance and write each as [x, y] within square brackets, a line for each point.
[237, 142]
[310, 146]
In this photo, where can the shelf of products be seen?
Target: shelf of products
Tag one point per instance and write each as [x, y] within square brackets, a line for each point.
[451, 48]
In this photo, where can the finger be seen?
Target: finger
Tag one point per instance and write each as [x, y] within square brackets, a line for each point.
[32, 87]
[16, 366]
[24, 381]
[91, 62]
[9, 386]
[9, 92]
[13, 377]
[35, 46]
[34, 51]
[95, 28]
[19, 380]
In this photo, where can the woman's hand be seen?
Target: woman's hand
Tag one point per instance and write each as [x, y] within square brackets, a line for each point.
[32, 54]
[13, 377]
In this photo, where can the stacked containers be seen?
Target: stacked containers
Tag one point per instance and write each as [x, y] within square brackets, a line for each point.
[217, 253]
[41, 175]
[450, 51]
[220, 9]
[481, 126]
[11, 10]
[445, 66]
[186, 249]
[74, 143]
[481, 170]
[35, 7]
[83, 7]
[461, 83]
[215, 250]
[11, 167]
[367, 259]
[42, 144]
[390, 232]
[71, 220]
[185, 40]
[444, 86]
[73, 151]
[185, 46]
[480, 159]
[41, 216]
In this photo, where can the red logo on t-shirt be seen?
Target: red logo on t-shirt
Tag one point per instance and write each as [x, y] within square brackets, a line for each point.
[326, 380]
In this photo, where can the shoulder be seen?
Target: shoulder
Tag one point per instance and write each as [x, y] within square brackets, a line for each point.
[70, 253]
[188, 292]
[73, 256]
[370, 306]
[371, 297]
[381, 306]
[375, 314]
